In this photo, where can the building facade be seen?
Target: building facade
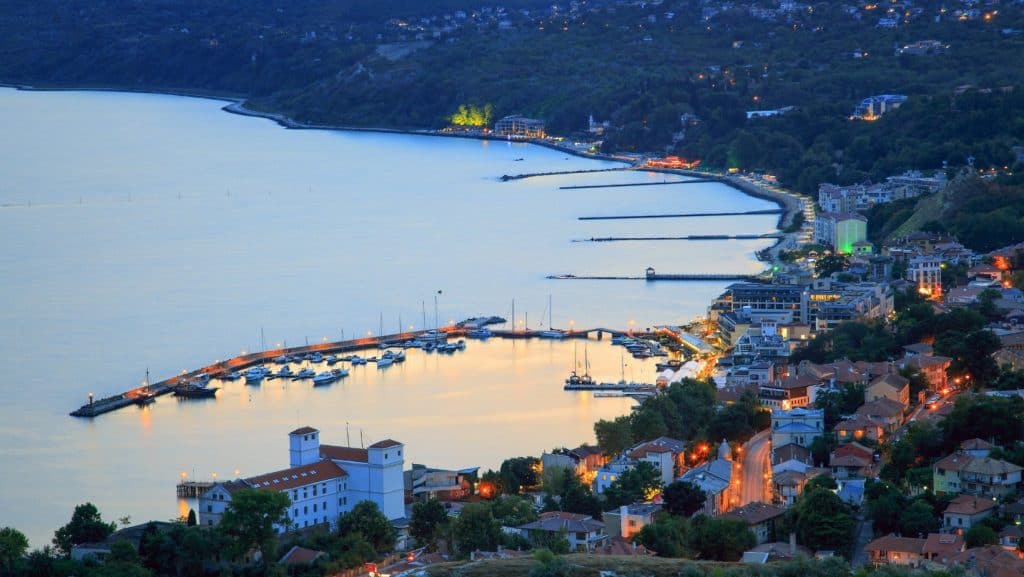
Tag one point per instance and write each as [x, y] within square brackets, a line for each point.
[322, 482]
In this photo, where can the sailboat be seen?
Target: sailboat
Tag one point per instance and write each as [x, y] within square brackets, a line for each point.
[551, 333]
[577, 379]
[622, 378]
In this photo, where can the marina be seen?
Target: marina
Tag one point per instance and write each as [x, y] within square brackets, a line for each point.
[194, 384]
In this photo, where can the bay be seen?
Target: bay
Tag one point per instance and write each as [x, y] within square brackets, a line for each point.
[158, 232]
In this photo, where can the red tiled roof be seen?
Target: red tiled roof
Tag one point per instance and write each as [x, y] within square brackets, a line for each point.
[339, 453]
[300, 556]
[898, 544]
[297, 476]
[943, 544]
[970, 505]
[385, 444]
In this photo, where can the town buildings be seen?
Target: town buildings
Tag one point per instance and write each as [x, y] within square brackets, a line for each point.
[715, 478]
[583, 532]
[322, 482]
[841, 231]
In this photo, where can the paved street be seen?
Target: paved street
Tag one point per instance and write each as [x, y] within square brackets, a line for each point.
[755, 474]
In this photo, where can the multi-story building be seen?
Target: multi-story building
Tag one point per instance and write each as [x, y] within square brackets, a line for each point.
[788, 392]
[519, 126]
[664, 454]
[840, 230]
[831, 303]
[798, 426]
[925, 271]
[873, 107]
[966, 511]
[761, 298]
[322, 482]
[962, 473]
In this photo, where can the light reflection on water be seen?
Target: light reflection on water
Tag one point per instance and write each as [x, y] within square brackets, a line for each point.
[158, 232]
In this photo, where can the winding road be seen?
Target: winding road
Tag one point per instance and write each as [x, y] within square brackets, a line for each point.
[755, 472]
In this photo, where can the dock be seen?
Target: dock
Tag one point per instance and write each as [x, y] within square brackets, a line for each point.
[683, 215]
[508, 177]
[769, 235]
[695, 277]
[625, 184]
[145, 394]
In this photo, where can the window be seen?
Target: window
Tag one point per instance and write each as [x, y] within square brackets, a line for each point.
[314, 490]
[385, 455]
[344, 500]
[324, 506]
[305, 510]
[295, 512]
[399, 452]
[209, 508]
[314, 507]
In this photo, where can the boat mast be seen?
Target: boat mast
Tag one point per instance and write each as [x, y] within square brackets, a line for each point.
[513, 316]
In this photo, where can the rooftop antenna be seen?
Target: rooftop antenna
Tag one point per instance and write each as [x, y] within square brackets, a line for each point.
[361, 439]
[348, 439]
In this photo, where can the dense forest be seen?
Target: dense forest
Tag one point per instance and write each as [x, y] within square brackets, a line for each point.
[641, 66]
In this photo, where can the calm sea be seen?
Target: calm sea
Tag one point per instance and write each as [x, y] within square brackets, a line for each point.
[157, 232]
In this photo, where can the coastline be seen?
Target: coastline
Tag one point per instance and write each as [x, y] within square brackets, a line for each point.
[790, 203]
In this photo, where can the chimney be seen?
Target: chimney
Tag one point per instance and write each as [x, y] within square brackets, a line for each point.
[792, 544]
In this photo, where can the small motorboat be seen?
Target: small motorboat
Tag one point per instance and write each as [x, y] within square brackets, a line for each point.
[316, 358]
[339, 373]
[331, 360]
[256, 374]
[281, 359]
[385, 362]
[324, 378]
[357, 360]
[285, 372]
[306, 373]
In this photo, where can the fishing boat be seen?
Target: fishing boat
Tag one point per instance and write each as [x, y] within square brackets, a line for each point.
[331, 360]
[285, 372]
[195, 391]
[306, 373]
[339, 373]
[316, 358]
[357, 360]
[385, 362]
[481, 333]
[281, 359]
[232, 376]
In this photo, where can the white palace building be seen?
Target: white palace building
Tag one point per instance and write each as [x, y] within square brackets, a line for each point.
[322, 481]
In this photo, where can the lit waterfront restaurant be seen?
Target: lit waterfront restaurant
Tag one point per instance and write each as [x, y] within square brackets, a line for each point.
[519, 126]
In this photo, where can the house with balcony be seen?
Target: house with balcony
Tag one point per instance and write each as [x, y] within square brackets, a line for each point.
[582, 531]
[789, 392]
[965, 474]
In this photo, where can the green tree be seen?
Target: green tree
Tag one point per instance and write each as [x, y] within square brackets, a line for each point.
[823, 521]
[980, 535]
[519, 473]
[86, 526]
[549, 565]
[971, 354]
[511, 511]
[367, 519]
[919, 519]
[719, 539]
[251, 517]
[614, 436]
[428, 517]
[667, 536]
[635, 484]
[191, 521]
[683, 498]
[825, 266]
[13, 545]
[476, 530]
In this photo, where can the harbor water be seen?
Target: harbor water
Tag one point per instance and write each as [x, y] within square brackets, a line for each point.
[158, 232]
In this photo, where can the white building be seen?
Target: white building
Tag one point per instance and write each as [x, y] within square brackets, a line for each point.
[322, 482]
[926, 273]
[798, 426]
